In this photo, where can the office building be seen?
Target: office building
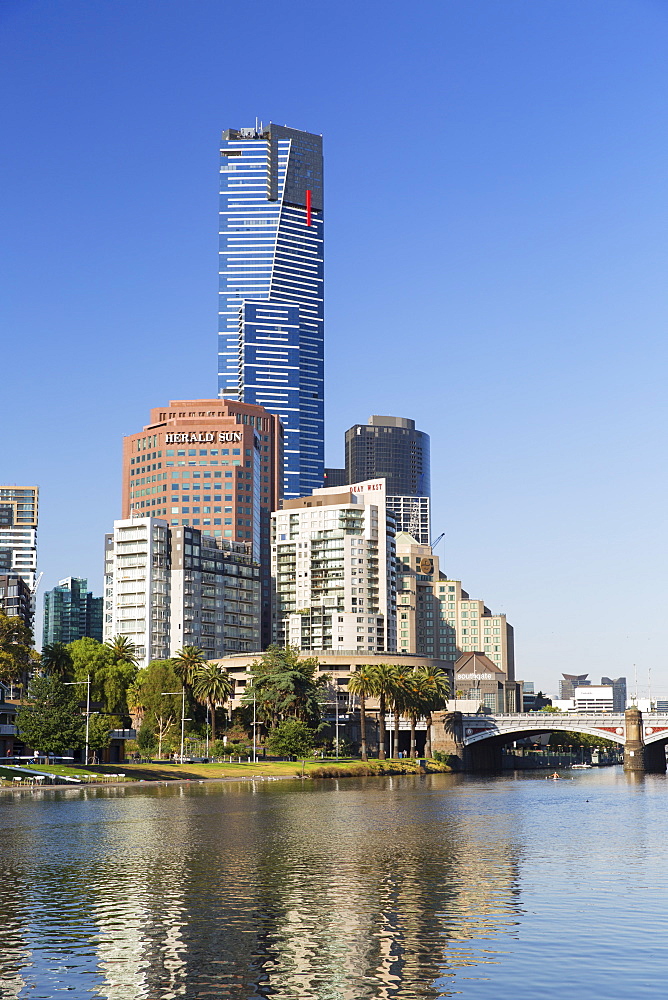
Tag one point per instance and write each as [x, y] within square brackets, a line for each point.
[335, 477]
[271, 287]
[210, 464]
[18, 532]
[480, 683]
[593, 698]
[435, 615]
[392, 449]
[618, 685]
[71, 612]
[568, 684]
[16, 598]
[166, 588]
[333, 570]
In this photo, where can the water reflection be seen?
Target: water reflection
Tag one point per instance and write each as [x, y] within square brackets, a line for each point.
[367, 889]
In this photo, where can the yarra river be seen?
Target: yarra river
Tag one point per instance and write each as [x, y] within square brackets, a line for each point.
[409, 887]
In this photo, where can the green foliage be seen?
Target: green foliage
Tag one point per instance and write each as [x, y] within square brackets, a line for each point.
[51, 722]
[147, 690]
[146, 741]
[384, 681]
[286, 687]
[565, 739]
[212, 686]
[187, 662]
[99, 731]
[549, 708]
[110, 677]
[291, 738]
[16, 652]
[56, 659]
[360, 684]
[123, 650]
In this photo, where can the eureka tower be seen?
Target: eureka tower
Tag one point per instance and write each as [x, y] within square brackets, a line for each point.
[271, 271]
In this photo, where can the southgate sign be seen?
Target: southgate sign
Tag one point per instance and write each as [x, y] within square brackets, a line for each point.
[204, 437]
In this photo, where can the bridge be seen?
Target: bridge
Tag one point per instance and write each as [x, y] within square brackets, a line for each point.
[477, 739]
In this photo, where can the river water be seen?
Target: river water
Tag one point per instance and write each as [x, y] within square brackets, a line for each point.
[407, 887]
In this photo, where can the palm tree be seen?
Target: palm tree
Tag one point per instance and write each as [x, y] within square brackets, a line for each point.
[136, 706]
[187, 662]
[212, 686]
[399, 700]
[56, 660]
[360, 684]
[417, 701]
[437, 692]
[383, 684]
[123, 649]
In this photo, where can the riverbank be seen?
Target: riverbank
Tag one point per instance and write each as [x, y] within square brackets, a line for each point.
[167, 771]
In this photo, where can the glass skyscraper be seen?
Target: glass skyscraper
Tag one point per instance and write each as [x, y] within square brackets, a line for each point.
[271, 306]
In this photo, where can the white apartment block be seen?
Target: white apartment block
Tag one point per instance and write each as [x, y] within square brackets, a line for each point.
[166, 588]
[18, 532]
[136, 587]
[333, 570]
[436, 617]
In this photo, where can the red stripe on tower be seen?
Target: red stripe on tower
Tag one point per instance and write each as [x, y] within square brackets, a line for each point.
[308, 207]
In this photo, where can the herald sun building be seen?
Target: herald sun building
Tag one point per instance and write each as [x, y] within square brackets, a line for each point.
[215, 465]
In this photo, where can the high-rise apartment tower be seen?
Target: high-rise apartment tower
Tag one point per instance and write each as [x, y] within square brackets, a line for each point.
[71, 612]
[271, 287]
[18, 532]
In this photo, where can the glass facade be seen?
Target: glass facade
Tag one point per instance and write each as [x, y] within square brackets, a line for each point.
[271, 288]
[71, 612]
[389, 448]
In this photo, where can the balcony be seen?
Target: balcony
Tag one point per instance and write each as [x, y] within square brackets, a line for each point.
[8, 730]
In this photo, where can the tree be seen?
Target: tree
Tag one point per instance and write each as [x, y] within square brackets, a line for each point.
[187, 662]
[51, 721]
[436, 694]
[110, 676]
[212, 686]
[360, 684]
[291, 738]
[383, 681]
[155, 711]
[99, 731]
[285, 686]
[400, 698]
[56, 660]
[162, 725]
[123, 649]
[16, 652]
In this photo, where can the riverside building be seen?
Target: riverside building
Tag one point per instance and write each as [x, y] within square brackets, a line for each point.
[271, 287]
[18, 532]
[211, 464]
[166, 588]
[436, 616]
[71, 612]
[333, 570]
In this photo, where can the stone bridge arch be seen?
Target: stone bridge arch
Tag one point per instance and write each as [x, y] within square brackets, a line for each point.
[476, 740]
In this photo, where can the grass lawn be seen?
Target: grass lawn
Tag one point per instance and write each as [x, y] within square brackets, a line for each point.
[183, 772]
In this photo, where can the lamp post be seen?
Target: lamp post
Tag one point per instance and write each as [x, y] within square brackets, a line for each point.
[183, 713]
[87, 683]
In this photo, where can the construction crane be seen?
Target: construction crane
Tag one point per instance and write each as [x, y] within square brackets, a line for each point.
[435, 543]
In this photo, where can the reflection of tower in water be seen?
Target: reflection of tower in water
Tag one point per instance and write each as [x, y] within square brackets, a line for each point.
[375, 911]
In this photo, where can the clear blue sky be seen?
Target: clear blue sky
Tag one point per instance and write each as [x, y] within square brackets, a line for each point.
[497, 246]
